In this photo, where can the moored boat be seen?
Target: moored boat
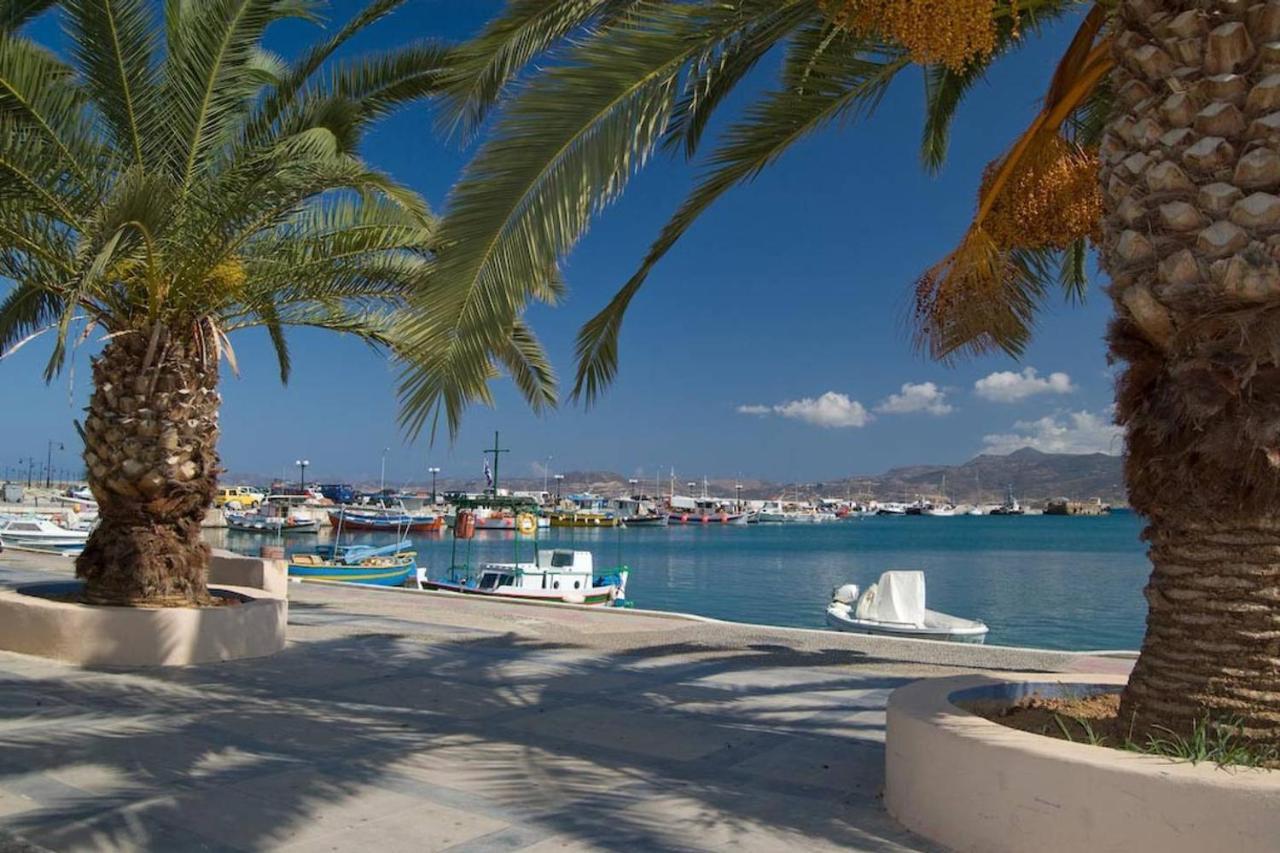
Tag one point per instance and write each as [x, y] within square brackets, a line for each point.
[255, 523]
[895, 606]
[392, 565]
[347, 518]
[34, 532]
[657, 520]
[557, 576]
[587, 518]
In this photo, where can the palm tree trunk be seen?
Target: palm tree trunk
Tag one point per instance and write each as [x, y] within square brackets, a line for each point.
[1191, 172]
[150, 452]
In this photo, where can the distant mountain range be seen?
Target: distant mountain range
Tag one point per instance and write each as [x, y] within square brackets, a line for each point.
[1033, 476]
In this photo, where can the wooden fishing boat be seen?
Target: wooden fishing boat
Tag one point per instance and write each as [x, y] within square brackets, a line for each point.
[708, 518]
[556, 576]
[388, 566]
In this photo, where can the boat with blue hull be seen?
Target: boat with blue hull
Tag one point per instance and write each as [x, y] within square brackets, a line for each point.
[390, 565]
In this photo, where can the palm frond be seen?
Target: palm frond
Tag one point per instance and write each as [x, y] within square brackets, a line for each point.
[114, 48]
[561, 152]
[14, 14]
[485, 66]
[842, 78]
[528, 366]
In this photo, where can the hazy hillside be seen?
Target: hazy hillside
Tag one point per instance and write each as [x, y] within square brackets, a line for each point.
[1034, 476]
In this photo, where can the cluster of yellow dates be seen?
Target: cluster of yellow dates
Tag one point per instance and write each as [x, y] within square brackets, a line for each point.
[1051, 201]
[934, 32]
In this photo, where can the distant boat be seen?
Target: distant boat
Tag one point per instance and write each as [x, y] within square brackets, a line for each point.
[373, 520]
[891, 508]
[894, 606]
[254, 523]
[736, 518]
[658, 520]
[1010, 506]
[583, 518]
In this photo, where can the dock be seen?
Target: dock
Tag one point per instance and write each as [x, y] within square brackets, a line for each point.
[399, 720]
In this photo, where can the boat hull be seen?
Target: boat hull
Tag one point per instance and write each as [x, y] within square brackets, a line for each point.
[414, 524]
[394, 575]
[715, 518]
[973, 632]
[645, 521]
[595, 596]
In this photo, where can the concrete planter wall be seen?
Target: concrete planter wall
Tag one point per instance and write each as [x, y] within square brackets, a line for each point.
[974, 785]
[229, 569]
[91, 635]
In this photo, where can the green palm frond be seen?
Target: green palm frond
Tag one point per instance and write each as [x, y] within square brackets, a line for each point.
[561, 151]
[843, 76]
[16, 13]
[526, 29]
[114, 47]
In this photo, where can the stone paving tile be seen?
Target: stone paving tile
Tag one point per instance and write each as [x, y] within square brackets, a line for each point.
[629, 731]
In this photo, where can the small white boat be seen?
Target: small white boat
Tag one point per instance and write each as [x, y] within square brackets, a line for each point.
[894, 606]
[940, 510]
[39, 533]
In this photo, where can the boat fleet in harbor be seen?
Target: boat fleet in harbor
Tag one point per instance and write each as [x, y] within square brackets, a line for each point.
[894, 605]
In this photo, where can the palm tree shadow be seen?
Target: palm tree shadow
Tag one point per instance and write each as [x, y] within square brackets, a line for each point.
[676, 745]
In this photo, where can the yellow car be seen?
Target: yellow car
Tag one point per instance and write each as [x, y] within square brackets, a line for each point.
[238, 497]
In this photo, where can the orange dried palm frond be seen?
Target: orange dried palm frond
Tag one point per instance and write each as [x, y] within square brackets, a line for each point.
[1043, 194]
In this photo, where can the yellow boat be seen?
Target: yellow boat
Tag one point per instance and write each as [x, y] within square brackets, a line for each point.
[584, 519]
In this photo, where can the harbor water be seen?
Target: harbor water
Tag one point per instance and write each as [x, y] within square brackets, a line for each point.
[1045, 581]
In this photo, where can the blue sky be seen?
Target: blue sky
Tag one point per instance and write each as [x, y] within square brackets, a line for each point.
[768, 344]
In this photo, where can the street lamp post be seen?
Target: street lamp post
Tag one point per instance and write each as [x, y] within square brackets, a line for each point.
[559, 480]
[48, 465]
[433, 471]
[546, 469]
[633, 483]
[31, 467]
[737, 487]
[302, 474]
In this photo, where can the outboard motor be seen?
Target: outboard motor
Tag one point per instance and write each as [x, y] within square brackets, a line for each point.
[846, 594]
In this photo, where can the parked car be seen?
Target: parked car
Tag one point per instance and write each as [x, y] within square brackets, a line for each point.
[239, 497]
[339, 493]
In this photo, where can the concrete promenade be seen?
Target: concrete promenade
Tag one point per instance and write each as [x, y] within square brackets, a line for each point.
[408, 721]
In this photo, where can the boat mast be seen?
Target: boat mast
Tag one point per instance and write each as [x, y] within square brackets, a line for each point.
[496, 451]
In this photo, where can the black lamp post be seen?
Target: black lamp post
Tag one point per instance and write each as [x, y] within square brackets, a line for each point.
[433, 471]
[48, 465]
[302, 474]
[559, 480]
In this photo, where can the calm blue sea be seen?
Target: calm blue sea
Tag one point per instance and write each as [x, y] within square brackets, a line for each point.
[1051, 582]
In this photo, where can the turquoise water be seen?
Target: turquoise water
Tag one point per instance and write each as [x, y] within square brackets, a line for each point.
[1051, 582]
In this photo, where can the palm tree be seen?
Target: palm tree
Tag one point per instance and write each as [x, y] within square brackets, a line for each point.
[1157, 141]
[168, 182]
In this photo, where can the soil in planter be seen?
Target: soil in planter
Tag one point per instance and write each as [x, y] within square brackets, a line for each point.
[78, 598]
[1040, 714]
[1091, 719]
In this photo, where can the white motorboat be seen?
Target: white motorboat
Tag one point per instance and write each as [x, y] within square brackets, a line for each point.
[894, 606]
[40, 533]
[891, 508]
[940, 510]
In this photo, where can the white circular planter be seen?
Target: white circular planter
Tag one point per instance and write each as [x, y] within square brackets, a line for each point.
[94, 635]
[973, 785]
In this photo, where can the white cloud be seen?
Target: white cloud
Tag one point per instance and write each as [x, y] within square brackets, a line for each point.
[1005, 386]
[916, 397]
[831, 410]
[1075, 432]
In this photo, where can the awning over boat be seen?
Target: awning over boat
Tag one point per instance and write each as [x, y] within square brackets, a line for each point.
[897, 597]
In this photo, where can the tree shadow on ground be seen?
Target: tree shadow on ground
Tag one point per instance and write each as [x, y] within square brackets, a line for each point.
[675, 745]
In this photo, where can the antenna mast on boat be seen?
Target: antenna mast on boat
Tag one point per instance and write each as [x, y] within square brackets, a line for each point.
[496, 451]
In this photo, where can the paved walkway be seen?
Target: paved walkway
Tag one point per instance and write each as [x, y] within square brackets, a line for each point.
[407, 721]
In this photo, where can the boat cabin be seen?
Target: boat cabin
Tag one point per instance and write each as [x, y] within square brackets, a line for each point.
[558, 569]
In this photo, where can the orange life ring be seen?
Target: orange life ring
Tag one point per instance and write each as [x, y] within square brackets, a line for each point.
[526, 524]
